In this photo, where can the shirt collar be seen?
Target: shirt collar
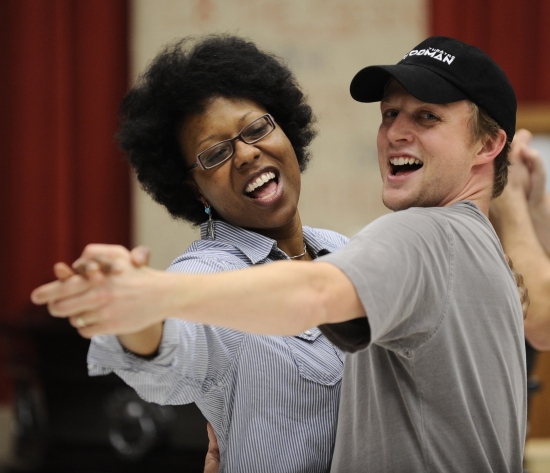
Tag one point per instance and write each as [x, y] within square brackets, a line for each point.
[256, 247]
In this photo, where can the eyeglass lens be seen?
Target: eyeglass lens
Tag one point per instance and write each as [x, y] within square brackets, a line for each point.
[250, 134]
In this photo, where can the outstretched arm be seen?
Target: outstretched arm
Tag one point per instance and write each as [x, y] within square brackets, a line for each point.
[510, 214]
[280, 298]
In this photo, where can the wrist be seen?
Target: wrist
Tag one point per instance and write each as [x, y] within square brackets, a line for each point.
[144, 342]
[508, 204]
[540, 210]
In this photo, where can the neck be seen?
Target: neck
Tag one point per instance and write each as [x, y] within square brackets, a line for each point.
[289, 237]
[479, 188]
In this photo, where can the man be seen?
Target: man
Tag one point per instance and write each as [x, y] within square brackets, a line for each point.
[423, 298]
[521, 217]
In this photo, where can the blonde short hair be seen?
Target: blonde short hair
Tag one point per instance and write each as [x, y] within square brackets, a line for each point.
[484, 127]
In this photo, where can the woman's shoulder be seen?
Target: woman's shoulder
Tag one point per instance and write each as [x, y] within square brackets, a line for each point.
[205, 256]
[327, 238]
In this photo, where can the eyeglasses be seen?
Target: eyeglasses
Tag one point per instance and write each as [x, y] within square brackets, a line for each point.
[222, 151]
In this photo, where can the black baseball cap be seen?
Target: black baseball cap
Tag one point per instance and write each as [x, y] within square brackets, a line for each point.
[443, 70]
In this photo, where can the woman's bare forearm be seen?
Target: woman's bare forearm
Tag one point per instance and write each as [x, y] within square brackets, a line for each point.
[146, 342]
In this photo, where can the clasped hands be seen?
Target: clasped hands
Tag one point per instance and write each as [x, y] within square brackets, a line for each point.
[108, 290]
[526, 175]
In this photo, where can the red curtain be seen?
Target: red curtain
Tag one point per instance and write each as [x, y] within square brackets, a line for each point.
[513, 32]
[63, 72]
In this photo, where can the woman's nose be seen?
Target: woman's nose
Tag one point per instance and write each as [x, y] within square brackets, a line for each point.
[244, 153]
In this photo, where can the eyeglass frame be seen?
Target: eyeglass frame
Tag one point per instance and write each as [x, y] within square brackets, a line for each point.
[198, 162]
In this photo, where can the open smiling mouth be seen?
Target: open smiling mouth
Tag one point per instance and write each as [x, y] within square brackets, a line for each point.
[263, 187]
[404, 165]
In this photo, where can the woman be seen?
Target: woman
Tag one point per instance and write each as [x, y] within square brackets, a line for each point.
[217, 132]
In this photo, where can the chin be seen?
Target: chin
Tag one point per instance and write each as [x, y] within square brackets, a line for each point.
[396, 204]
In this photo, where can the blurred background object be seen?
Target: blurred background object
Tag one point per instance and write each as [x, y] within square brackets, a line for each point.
[64, 67]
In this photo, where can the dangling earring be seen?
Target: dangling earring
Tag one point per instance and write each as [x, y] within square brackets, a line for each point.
[210, 231]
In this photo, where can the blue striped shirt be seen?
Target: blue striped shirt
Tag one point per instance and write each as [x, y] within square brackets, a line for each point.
[273, 401]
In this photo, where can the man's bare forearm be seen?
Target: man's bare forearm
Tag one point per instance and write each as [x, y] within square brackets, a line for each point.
[283, 298]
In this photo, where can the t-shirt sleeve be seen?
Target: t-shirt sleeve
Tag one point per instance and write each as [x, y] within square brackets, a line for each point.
[400, 266]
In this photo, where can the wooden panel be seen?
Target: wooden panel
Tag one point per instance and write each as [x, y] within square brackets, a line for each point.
[534, 116]
[539, 409]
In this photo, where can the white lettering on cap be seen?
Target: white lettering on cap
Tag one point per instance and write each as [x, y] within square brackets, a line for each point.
[448, 59]
[433, 53]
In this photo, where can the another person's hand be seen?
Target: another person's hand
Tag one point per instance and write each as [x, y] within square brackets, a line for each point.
[518, 173]
[212, 460]
[538, 199]
[532, 160]
[516, 194]
[100, 296]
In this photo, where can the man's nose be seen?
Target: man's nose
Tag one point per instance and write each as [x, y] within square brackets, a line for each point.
[401, 128]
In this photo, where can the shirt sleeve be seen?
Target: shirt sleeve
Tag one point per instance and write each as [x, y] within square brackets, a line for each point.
[400, 266]
[191, 358]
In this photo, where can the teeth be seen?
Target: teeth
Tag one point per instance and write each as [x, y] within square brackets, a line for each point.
[260, 181]
[401, 161]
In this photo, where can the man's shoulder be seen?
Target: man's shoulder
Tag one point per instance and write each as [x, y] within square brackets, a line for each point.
[425, 219]
[411, 221]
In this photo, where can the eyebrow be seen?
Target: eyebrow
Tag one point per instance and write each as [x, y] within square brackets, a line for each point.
[213, 136]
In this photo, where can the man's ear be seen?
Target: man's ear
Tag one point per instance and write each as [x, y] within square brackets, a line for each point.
[491, 147]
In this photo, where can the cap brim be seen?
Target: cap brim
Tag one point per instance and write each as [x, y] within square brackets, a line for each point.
[369, 84]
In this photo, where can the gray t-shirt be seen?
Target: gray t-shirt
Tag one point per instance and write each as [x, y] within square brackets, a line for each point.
[439, 383]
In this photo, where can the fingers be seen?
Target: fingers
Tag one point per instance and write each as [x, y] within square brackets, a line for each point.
[87, 325]
[62, 271]
[109, 259]
[83, 295]
[55, 290]
[521, 140]
[83, 321]
[532, 159]
[89, 268]
[212, 440]
[140, 255]
[212, 460]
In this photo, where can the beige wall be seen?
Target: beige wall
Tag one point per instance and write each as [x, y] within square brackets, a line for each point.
[325, 43]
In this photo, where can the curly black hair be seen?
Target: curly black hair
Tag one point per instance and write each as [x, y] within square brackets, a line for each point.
[179, 82]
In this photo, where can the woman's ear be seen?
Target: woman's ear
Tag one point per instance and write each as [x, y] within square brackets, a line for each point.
[491, 147]
[198, 194]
